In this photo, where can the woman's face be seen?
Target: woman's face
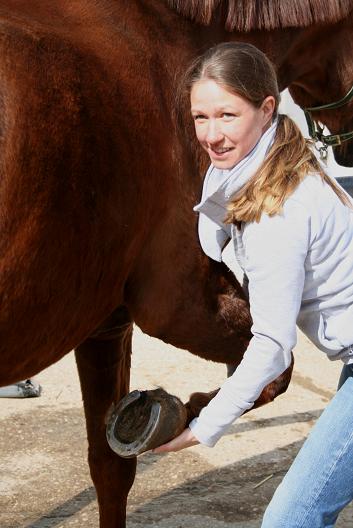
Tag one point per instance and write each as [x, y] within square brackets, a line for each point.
[227, 126]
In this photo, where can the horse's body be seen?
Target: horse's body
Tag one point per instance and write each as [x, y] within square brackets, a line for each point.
[97, 188]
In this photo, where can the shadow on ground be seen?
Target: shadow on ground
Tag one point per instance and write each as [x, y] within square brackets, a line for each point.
[45, 481]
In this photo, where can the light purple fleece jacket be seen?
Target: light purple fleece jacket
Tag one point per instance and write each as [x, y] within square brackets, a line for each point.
[300, 269]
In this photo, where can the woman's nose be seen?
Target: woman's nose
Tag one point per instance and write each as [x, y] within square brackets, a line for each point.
[214, 133]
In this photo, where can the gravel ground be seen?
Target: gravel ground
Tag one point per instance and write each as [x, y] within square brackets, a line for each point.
[45, 481]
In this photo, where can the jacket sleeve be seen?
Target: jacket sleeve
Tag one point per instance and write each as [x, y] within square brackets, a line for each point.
[275, 253]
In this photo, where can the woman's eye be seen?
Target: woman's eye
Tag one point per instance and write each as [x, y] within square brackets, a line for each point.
[199, 117]
[226, 116]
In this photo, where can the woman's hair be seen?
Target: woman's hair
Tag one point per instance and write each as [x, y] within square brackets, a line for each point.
[244, 70]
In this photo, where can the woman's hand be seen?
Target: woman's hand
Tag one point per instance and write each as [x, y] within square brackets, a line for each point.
[185, 439]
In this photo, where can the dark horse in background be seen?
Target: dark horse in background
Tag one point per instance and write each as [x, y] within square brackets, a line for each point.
[98, 183]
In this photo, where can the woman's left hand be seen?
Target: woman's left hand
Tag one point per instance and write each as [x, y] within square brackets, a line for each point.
[185, 439]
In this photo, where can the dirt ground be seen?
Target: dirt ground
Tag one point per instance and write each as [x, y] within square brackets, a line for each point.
[44, 475]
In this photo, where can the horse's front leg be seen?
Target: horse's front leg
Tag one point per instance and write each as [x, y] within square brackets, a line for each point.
[103, 363]
[198, 400]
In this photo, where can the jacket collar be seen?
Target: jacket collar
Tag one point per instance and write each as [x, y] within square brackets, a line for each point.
[219, 186]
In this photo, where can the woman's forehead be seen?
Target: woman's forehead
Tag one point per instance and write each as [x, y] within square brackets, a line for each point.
[209, 92]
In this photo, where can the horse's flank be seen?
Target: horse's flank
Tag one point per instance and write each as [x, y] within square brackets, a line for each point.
[249, 15]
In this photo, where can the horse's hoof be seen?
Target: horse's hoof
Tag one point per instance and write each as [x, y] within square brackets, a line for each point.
[143, 420]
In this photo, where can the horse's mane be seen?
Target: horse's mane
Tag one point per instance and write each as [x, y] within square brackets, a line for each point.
[247, 15]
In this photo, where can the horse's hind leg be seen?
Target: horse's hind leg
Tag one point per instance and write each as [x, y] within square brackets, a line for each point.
[103, 363]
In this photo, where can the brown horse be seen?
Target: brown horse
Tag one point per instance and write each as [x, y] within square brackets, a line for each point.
[98, 183]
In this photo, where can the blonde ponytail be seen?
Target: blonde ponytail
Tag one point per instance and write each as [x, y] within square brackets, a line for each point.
[288, 162]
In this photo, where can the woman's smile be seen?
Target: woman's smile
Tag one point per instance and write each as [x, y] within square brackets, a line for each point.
[219, 153]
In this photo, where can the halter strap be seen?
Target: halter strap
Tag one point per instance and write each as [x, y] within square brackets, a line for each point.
[332, 106]
[316, 130]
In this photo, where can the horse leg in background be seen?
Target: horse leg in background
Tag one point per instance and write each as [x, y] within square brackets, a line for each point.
[231, 367]
[103, 363]
[198, 400]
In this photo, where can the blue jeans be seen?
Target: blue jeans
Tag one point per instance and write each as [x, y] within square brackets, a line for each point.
[319, 484]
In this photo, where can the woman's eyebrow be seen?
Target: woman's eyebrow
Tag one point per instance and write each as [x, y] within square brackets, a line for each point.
[226, 107]
[217, 109]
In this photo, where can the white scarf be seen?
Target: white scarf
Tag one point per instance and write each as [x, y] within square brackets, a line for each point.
[218, 187]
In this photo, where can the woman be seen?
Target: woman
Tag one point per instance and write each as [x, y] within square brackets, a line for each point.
[292, 229]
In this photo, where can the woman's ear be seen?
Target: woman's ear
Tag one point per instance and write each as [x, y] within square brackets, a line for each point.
[268, 107]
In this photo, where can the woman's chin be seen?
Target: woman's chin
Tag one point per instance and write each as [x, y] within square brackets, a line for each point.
[223, 164]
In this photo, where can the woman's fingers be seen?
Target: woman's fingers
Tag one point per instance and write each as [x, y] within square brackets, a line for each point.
[185, 439]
